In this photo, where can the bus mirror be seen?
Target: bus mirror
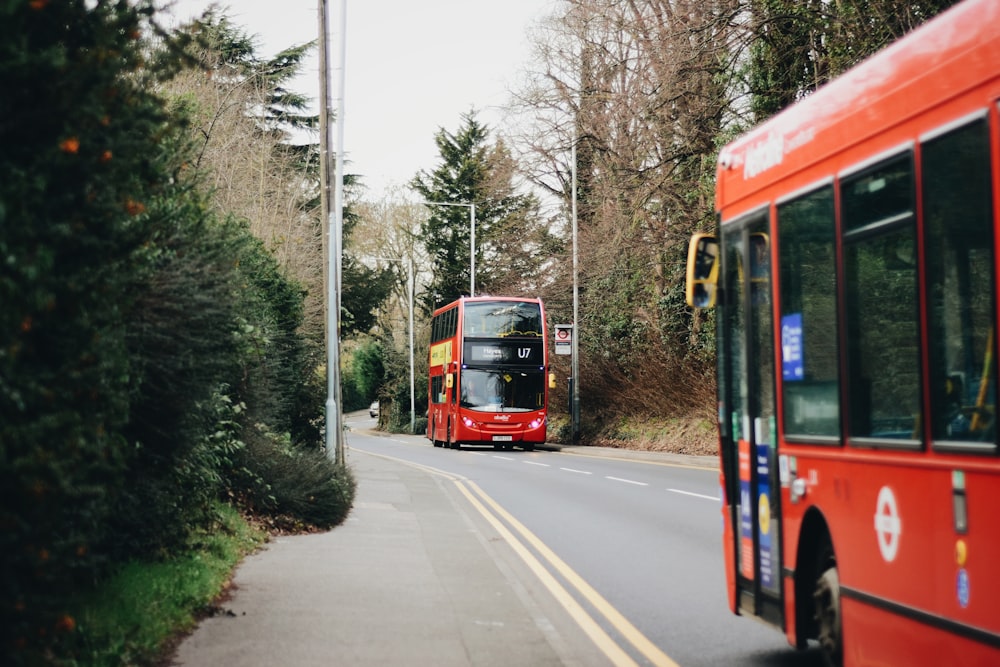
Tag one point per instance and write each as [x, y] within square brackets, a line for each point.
[552, 380]
[449, 380]
[702, 271]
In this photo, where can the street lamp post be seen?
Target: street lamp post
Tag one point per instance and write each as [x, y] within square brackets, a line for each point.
[472, 238]
[410, 298]
[575, 364]
[335, 213]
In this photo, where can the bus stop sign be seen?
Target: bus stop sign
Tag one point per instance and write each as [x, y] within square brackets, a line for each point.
[564, 339]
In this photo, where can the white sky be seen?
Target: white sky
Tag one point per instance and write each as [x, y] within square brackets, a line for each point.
[411, 69]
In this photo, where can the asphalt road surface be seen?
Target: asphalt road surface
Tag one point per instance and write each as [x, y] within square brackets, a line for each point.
[644, 535]
[580, 557]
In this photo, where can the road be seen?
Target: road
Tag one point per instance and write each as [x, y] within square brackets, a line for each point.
[635, 543]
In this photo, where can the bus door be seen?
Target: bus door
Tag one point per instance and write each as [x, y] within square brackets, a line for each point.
[747, 419]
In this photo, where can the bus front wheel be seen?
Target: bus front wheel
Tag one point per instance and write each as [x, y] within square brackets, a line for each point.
[826, 604]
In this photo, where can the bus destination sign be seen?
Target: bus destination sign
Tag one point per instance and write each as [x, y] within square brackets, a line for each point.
[528, 352]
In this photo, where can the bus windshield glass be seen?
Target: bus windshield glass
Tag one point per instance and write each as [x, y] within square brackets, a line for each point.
[502, 390]
[499, 319]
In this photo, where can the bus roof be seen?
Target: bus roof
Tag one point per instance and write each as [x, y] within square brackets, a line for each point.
[949, 55]
[481, 299]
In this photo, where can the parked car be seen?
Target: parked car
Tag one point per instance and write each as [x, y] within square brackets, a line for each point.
[373, 409]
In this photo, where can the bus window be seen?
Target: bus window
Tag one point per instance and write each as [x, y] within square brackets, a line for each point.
[499, 319]
[702, 271]
[437, 389]
[882, 315]
[760, 268]
[959, 248]
[809, 350]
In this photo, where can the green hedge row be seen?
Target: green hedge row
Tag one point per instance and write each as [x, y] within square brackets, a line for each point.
[143, 341]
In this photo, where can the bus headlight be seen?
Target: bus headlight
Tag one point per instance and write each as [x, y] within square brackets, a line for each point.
[468, 422]
[535, 423]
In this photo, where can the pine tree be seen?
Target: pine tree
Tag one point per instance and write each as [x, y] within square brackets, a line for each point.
[510, 240]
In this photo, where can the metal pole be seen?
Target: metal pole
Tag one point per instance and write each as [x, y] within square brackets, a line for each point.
[324, 150]
[575, 351]
[334, 413]
[413, 404]
[472, 249]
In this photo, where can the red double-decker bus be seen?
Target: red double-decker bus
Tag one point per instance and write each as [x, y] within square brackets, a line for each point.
[855, 278]
[488, 367]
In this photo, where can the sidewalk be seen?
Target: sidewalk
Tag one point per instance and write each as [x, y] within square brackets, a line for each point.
[411, 578]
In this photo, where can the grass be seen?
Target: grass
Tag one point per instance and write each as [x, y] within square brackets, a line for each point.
[688, 435]
[132, 617]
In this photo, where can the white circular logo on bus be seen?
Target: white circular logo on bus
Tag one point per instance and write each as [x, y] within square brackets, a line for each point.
[888, 526]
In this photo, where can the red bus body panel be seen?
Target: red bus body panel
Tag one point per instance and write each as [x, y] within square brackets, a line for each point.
[917, 591]
[449, 422]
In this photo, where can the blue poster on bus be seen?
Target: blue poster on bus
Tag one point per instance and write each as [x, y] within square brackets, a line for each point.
[791, 348]
[767, 541]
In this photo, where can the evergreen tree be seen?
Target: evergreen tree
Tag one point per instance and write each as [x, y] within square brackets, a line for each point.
[84, 171]
[508, 236]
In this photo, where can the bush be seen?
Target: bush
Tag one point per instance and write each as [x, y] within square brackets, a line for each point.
[85, 156]
[290, 486]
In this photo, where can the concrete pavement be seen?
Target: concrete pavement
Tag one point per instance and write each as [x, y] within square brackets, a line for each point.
[413, 577]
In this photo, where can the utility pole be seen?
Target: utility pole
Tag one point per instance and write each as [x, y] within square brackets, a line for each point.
[334, 403]
[324, 149]
[575, 365]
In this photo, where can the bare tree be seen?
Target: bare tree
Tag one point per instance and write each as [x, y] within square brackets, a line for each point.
[639, 87]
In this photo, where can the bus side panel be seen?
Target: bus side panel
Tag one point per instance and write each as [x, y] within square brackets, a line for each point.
[913, 586]
[867, 643]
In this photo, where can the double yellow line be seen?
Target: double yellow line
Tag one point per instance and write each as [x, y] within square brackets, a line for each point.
[493, 513]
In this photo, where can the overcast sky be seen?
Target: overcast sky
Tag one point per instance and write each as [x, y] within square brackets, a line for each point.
[411, 68]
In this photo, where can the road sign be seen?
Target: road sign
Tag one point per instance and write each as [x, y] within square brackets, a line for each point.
[564, 339]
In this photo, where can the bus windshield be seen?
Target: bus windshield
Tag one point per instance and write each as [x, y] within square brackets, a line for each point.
[502, 390]
[499, 319]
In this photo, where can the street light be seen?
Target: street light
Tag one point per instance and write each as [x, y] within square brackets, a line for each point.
[335, 213]
[472, 238]
[409, 294]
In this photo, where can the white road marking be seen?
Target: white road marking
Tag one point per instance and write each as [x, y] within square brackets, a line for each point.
[535, 463]
[578, 472]
[696, 495]
[627, 481]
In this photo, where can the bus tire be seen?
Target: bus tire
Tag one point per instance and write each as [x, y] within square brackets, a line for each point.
[434, 440]
[451, 445]
[529, 448]
[826, 605]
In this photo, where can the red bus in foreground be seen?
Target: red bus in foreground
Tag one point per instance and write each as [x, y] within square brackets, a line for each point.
[855, 274]
[488, 366]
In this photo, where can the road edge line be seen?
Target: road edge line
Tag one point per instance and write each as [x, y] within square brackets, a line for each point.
[642, 643]
[590, 627]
